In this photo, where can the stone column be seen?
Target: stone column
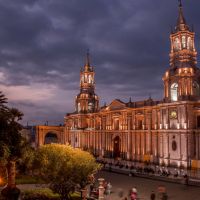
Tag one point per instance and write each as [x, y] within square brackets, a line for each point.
[84, 193]
[101, 188]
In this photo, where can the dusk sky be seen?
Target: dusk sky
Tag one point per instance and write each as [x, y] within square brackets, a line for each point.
[43, 44]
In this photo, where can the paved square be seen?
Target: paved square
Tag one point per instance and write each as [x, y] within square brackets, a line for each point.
[145, 186]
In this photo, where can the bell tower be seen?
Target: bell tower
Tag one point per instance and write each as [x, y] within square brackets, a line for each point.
[87, 101]
[181, 81]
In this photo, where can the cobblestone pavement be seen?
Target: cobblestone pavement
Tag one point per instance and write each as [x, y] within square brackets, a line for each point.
[146, 186]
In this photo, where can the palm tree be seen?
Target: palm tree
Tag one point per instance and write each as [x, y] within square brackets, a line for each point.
[12, 139]
[3, 100]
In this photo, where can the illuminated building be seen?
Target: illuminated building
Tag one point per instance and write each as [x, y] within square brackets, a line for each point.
[164, 132]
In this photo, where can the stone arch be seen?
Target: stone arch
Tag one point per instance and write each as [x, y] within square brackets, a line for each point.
[43, 131]
[51, 137]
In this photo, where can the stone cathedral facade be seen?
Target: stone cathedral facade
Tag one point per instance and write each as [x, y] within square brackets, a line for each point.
[162, 132]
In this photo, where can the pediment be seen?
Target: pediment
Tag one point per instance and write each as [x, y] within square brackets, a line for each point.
[116, 105]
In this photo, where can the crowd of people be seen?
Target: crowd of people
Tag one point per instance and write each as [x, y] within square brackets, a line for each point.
[132, 195]
[145, 169]
[94, 191]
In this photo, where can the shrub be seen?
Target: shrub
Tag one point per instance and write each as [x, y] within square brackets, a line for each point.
[42, 194]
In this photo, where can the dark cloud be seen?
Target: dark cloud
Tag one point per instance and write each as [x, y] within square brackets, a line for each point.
[44, 42]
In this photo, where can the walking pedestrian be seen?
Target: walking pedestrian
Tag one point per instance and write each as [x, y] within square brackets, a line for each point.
[108, 188]
[133, 194]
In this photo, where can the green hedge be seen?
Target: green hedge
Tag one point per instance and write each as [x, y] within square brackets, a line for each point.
[25, 179]
[36, 194]
[44, 194]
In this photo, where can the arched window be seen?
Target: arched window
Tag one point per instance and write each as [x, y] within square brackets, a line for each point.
[189, 43]
[85, 80]
[184, 42]
[195, 88]
[90, 106]
[174, 92]
[89, 79]
[177, 44]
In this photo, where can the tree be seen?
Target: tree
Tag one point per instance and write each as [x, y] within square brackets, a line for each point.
[11, 142]
[65, 168]
[25, 162]
[3, 101]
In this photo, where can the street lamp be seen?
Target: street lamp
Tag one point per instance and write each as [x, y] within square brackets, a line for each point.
[3, 177]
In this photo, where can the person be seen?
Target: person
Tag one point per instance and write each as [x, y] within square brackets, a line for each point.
[105, 186]
[153, 195]
[108, 188]
[133, 194]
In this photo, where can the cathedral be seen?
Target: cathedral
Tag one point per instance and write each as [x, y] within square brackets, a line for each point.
[164, 132]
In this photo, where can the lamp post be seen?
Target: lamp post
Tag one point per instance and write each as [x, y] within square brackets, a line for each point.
[4, 178]
[84, 193]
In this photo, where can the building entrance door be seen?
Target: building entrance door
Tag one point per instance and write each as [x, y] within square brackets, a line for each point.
[116, 149]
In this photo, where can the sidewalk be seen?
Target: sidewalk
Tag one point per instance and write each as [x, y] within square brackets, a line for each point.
[179, 179]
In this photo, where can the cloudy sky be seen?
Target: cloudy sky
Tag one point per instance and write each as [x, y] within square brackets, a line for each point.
[43, 45]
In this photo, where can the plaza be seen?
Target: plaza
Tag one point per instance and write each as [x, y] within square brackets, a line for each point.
[145, 186]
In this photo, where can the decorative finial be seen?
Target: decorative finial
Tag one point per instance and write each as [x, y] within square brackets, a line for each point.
[181, 22]
[88, 57]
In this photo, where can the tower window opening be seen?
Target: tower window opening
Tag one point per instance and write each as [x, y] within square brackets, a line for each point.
[90, 106]
[89, 79]
[184, 42]
[85, 80]
[189, 43]
[177, 44]
[174, 92]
